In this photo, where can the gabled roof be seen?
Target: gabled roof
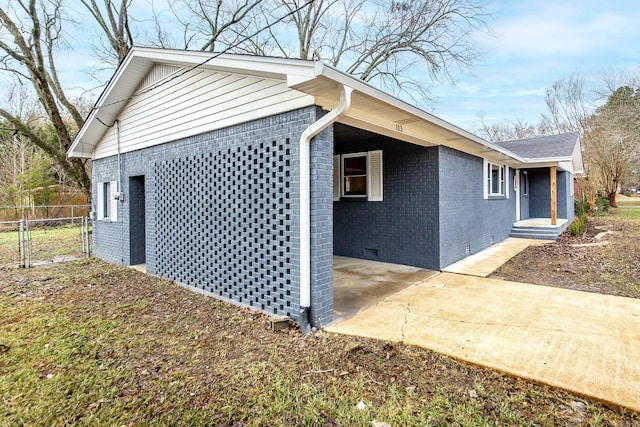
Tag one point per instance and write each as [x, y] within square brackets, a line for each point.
[562, 148]
[371, 109]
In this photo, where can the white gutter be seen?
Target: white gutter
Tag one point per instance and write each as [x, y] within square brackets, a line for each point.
[305, 189]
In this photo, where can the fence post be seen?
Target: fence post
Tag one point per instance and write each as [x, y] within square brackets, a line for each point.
[21, 239]
[85, 236]
[84, 250]
[28, 242]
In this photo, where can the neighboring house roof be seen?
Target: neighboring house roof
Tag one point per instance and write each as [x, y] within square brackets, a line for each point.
[561, 148]
[293, 84]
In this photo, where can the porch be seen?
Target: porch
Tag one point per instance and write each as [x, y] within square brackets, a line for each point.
[538, 228]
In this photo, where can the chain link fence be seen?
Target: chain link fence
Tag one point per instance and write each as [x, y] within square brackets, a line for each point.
[32, 242]
[16, 213]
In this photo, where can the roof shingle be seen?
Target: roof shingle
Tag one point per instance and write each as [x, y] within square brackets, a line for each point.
[544, 147]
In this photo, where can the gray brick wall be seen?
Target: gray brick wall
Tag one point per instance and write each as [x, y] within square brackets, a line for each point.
[222, 213]
[322, 226]
[468, 222]
[403, 228]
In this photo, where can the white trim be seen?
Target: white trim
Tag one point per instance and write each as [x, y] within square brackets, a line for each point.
[100, 201]
[374, 176]
[516, 187]
[343, 186]
[503, 178]
[337, 177]
[485, 181]
[507, 172]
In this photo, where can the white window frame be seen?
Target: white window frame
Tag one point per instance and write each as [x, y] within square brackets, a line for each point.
[107, 201]
[343, 176]
[373, 176]
[488, 180]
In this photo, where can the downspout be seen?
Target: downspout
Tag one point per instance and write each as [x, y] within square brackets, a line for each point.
[119, 189]
[305, 206]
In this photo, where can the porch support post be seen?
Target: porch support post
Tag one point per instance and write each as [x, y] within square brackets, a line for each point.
[554, 198]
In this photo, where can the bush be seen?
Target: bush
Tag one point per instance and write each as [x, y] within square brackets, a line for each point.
[577, 227]
[584, 218]
[581, 207]
[602, 203]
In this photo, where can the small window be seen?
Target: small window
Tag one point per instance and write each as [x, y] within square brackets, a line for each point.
[495, 179]
[354, 173]
[525, 184]
[358, 175]
[107, 203]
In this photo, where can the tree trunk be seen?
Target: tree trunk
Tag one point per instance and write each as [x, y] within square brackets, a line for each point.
[612, 199]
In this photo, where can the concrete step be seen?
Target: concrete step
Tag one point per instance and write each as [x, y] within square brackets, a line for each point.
[539, 236]
[544, 233]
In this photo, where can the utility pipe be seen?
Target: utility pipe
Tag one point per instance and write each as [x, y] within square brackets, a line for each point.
[305, 189]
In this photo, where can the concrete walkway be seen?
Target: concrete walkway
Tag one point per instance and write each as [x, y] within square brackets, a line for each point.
[490, 259]
[583, 342]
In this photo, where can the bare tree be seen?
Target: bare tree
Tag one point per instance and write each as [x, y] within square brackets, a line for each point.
[612, 139]
[394, 44]
[509, 131]
[113, 20]
[32, 34]
[204, 25]
[567, 106]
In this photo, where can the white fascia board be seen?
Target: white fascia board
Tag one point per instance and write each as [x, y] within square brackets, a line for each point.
[141, 59]
[564, 163]
[92, 130]
[546, 160]
[365, 88]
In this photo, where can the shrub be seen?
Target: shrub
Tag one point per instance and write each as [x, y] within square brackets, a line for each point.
[581, 207]
[577, 227]
[602, 203]
[584, 218]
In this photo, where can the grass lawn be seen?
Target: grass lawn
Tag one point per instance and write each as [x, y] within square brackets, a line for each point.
[46, 244]
[87, 343]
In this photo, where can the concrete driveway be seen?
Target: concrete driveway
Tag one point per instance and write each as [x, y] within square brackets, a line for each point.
[583, 342]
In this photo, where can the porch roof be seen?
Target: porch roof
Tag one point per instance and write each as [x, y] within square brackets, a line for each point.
[563, 150]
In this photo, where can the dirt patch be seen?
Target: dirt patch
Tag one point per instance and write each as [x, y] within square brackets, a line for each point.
[604, 259]
[89, 343]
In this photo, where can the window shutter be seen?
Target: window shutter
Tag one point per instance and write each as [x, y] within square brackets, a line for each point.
[507, 177]
[374, 176]
[486, 175]
[100, 201]
[114, 202]
[337, 180]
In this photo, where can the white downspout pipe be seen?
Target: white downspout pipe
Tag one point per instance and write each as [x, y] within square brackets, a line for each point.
[305, 189]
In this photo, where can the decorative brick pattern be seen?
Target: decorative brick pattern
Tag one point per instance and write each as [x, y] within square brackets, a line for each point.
[222, 213]
[231, 216]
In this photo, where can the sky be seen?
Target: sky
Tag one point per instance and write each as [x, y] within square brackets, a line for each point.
[536, 43]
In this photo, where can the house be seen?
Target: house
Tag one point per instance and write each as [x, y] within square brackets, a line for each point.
[242, 176]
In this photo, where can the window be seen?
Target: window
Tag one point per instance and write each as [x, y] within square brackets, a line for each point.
[495, 180]
[107, 204]
[358, 175]
[525, 184]
[354, 175]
